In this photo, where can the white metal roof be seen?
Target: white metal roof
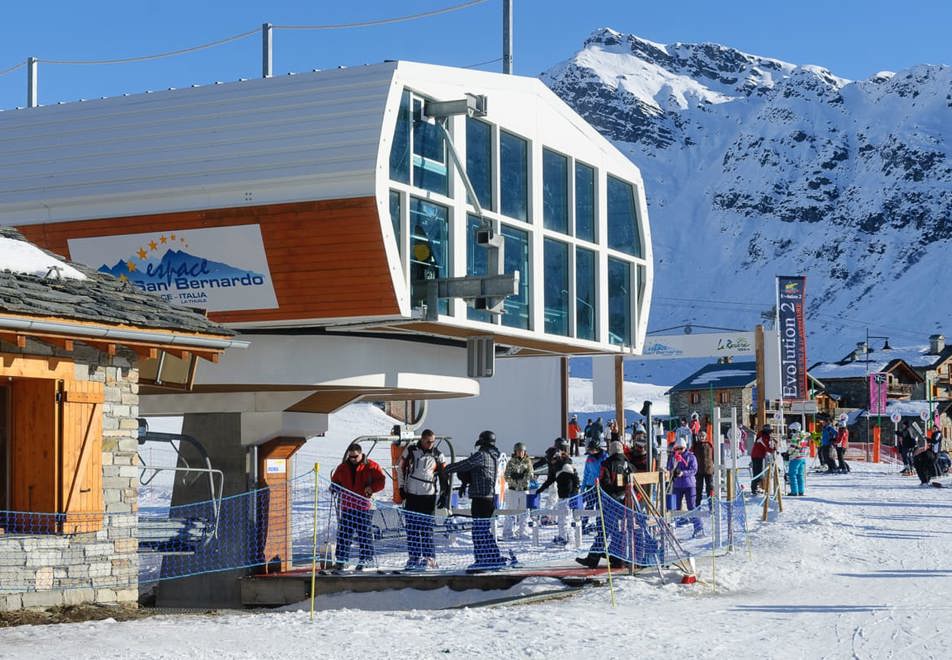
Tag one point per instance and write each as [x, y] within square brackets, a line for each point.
[294, 138]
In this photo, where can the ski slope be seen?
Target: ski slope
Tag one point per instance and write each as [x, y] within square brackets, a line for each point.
[854, 569]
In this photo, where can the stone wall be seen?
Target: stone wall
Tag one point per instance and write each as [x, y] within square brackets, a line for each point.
[740, 398]
[49, 569]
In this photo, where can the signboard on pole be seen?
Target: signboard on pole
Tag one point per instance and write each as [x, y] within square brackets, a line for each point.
[714, 344]
[791, 293]
[895, 417]
[804, 407]
[877, 393]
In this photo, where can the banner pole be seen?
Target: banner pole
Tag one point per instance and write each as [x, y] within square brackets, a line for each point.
[601, 515]
[317, 469]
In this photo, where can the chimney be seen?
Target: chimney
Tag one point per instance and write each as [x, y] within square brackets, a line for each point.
[936, 344]
[860, 352]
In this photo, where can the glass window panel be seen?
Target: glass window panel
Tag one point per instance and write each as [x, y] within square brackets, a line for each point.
[429, 235]
[514, 176]
[619, 302]
[479, 160]
[555, 193]
[429, 154]
[400, 146]
[585, 310]
[477, 263]
[622, 223]
[395, 218]
[516, 310]
[556, 292]
[585, 202]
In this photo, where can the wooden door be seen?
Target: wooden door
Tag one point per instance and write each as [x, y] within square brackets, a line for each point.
[33, 456]
[80, 450]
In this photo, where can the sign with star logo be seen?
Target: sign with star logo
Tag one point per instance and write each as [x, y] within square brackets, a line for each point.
[217, 269]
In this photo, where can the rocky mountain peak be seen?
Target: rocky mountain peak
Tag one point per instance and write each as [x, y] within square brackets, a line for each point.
[764, 167]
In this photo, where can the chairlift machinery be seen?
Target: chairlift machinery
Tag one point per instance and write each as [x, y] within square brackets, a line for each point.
[180, 534]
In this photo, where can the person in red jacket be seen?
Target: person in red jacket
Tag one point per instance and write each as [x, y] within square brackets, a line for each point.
[354, 483]
[842, 442]
[575, 435]
[763, 445]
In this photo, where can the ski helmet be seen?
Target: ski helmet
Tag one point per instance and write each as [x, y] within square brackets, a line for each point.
[562, 443]
[795, 427]
[592, 445]
[518, 447]
[486, 439]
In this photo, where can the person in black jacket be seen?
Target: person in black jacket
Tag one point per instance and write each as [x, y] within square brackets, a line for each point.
[482, 469]
[555, 457]
[614, 481]
[924, 463]
[567, 485]
[907, 445]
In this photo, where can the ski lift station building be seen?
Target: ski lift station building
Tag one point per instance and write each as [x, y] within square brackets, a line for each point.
[356, 226]
[307, 212]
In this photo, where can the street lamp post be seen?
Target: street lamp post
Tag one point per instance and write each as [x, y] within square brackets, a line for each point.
[869, 396]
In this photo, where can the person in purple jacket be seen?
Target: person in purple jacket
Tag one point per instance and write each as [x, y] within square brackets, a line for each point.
[682, 465]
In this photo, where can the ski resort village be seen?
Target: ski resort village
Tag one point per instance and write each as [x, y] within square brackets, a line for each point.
[603, 347]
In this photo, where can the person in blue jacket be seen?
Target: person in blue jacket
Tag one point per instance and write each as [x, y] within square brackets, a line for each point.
[827, 443]
[594, 457]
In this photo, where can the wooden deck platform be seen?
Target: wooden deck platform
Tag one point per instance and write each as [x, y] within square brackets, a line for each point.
[277, 589]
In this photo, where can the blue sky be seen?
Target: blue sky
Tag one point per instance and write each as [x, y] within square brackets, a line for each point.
[854, 39]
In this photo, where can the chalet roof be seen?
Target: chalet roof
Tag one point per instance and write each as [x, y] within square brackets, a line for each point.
[858, 369]
[917, 357]
[83, 294]
[719, 376]
[911, 408]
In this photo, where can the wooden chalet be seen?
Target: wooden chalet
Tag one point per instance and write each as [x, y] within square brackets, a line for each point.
[72, 344]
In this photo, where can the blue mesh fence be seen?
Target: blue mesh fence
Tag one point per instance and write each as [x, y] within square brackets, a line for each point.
[100, 550]
[354, 531]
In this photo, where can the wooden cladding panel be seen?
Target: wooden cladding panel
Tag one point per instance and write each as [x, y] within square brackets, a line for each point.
[80, 487]
[327, 259]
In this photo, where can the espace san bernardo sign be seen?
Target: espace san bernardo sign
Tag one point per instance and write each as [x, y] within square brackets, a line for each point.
[218, 269]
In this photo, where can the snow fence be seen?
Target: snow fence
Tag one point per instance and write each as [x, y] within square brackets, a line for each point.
[38, 552]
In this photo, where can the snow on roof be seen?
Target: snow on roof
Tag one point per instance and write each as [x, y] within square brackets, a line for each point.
[917, 357]
[739, 374]
[914, 356]
[857, 369]
[906, 408]
[25, 258]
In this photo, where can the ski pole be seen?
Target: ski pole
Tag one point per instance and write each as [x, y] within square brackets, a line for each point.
[601, 514]
[317, 468]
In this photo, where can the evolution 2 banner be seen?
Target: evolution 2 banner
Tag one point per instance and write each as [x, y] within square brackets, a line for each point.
[791, 295]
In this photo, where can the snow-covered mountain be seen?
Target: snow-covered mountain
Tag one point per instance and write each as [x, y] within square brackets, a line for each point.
[755, 167]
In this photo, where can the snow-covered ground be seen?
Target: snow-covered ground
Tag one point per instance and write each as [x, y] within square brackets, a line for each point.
[857, 568]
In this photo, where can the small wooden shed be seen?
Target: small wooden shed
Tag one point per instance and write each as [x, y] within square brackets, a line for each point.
[71, 343]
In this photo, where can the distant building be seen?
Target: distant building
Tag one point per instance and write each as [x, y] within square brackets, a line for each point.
[727, 386]
[849, 378]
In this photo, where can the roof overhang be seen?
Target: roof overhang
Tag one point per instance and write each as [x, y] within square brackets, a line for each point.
[523, 343]
[155, 347]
